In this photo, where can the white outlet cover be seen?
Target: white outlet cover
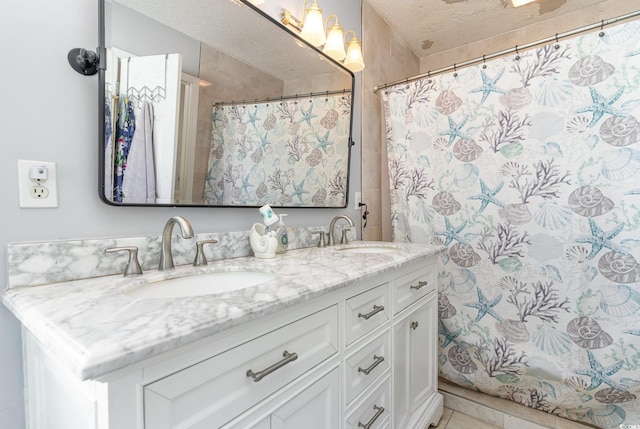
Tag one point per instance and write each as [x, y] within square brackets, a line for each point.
[25, 184]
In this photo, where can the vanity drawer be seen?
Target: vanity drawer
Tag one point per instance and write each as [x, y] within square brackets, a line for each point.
[367, 365]
[374, 410]
[366, 311]
[214, 391]
[412, 286]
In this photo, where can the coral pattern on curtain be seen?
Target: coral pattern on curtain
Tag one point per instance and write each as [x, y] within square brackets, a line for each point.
[528, 169]
[290, 152]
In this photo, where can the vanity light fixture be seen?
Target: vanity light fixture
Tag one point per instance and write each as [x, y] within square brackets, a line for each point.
[354, 60]
[312, 30]
[517, 3]
[256, 2]
[311, 27]
[335, 41]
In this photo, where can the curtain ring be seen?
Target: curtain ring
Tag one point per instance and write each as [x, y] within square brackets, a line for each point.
[517, 53]
[557, 46]
[601, 34]
[455, 70]
[484, 62]
[429, 76]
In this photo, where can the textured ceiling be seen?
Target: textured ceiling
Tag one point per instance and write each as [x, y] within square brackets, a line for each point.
[430, 26]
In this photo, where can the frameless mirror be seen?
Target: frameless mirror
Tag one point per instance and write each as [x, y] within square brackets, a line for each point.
[213, 103]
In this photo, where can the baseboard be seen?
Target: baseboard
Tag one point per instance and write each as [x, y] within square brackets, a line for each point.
[463, 400]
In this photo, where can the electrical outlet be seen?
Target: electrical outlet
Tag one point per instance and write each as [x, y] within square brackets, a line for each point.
[358, 200]
[39, 192]
[37, 187]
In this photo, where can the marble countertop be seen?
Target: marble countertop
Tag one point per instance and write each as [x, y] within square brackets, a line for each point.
[93, 327]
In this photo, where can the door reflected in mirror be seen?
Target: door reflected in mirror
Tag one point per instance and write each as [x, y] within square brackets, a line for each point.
[218, 105]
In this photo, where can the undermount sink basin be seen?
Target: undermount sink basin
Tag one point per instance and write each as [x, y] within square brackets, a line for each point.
[368, 249]
[202, 284]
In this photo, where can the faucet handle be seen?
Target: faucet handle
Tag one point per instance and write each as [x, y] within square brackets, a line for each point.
[133, 266]
[344, 239]
[200, 258]
[321, 241]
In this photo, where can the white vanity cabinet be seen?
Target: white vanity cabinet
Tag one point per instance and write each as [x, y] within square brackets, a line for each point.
[415, 364]
[415, 345]
[361, 356]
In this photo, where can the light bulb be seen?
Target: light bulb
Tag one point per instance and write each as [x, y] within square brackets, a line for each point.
[354, 60]
[313, 26]
[335, 42]
[517, 3]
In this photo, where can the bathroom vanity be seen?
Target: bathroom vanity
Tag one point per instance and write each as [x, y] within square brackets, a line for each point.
[343, 337]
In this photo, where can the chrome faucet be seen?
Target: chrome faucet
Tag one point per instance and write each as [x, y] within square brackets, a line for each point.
[166, 259]
[332, 225]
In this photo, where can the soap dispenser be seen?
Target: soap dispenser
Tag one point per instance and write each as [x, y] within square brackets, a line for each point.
[281, 235]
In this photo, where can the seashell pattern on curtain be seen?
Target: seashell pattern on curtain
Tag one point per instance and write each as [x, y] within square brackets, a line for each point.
[531, 169]
[283, 152]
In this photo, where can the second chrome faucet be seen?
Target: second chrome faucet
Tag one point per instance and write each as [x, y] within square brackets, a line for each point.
[332, 239]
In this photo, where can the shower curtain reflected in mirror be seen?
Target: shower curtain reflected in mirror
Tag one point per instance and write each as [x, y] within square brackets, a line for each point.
[291, 152]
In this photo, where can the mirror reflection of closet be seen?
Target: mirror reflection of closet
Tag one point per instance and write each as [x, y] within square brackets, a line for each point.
[243, 112]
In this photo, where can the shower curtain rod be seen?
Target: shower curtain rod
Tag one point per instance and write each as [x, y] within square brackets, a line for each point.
[286, 97]
[515, 49]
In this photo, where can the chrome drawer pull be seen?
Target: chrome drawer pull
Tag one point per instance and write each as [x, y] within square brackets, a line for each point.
[377, 361]
[419, 286]
[288, 357]
[379, 411]
[413, 325]
[376, 309]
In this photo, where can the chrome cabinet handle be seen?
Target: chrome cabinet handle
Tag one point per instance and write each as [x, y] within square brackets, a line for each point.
[379, 411]
[419, 286]
[377, 361]
[413, 325]
[376, 309]
[288, 357]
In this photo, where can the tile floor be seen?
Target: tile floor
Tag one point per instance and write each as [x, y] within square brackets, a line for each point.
[465, 409]
[456, 420]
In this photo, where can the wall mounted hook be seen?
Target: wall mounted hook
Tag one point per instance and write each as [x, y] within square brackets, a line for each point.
[83, 61]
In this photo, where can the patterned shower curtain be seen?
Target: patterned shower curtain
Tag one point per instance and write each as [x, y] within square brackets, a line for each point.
[528, 169]
[288, 153]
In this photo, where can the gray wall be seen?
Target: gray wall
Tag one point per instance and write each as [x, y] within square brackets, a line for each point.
[49, 113]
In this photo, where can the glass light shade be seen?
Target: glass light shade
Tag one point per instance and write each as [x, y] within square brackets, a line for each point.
[313, 26]
[257, 2]
[517, 3]
[335, 43]
[354, 60]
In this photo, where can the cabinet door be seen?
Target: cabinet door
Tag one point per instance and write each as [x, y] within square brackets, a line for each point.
[415, 364]
[317, 407]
